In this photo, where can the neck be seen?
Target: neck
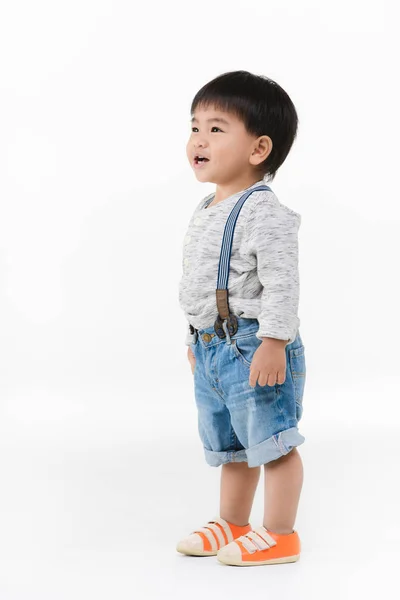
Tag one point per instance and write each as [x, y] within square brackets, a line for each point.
[225, 190]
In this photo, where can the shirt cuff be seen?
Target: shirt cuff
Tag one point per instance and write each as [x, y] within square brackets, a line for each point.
[288, 336]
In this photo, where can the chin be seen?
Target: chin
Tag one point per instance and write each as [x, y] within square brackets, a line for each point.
[206, 177]
[201, 176]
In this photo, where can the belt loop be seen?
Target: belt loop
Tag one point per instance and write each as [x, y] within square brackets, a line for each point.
[225, 328]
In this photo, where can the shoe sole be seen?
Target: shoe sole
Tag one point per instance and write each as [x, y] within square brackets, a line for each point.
[273, 561]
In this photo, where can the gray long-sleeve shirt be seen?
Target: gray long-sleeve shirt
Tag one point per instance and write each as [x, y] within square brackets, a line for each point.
[263, 276]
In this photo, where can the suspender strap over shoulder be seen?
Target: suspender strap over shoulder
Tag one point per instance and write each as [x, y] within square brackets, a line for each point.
[223, 268]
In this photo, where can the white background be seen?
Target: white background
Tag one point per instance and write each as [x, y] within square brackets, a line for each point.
[101, 467]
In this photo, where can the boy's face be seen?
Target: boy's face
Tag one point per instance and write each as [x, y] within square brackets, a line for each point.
[226, 143]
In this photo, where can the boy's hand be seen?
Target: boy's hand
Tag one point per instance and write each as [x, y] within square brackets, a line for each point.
[191, 358]
[269, 363]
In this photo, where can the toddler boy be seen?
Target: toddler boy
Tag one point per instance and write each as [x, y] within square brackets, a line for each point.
[245, 349]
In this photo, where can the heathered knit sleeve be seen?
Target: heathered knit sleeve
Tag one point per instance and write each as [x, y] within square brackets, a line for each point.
[272, 230]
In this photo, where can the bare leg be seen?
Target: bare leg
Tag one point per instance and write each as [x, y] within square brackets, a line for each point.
[283, 483]
[238, 487]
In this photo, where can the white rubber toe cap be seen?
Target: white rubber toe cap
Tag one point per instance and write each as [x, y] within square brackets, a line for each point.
[193, 544]
[230, 552]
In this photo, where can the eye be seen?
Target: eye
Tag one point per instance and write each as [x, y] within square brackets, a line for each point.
[211, 128]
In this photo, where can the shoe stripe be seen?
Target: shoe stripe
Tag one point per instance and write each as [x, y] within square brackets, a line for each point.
[247, 543]
[262, 532]
[259, 539]
[206, 543]
[218, 534]
[210, 537]
[226, 528]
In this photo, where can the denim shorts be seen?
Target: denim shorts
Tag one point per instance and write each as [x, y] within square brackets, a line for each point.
[237, 422]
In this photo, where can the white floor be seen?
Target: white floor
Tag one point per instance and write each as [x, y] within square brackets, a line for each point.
[95, 495]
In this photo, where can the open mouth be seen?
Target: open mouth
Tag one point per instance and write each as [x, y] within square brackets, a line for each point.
[200, 160]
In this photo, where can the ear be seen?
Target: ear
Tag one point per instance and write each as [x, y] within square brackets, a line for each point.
[261, 150]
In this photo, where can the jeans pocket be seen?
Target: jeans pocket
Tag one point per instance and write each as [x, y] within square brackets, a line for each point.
[297, 365]
[244, 348]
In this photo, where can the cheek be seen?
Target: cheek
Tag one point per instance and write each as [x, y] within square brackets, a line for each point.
[188, 154]
[225, 150]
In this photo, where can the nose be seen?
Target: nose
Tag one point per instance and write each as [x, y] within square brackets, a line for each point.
[199, 143]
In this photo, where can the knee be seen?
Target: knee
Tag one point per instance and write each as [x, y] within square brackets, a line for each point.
[292, 454]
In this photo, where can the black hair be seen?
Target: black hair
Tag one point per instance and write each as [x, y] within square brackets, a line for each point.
[261, 104]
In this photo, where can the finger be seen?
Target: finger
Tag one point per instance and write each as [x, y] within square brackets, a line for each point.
[253, 377]
[266, 378]
[262, 379]
[272, 379]
[281, 377]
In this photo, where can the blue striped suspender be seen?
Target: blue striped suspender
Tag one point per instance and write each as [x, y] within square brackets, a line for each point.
[226, 322]
[229, 327]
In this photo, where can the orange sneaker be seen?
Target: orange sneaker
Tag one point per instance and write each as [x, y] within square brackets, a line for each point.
[261, 547]
[207, 540]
